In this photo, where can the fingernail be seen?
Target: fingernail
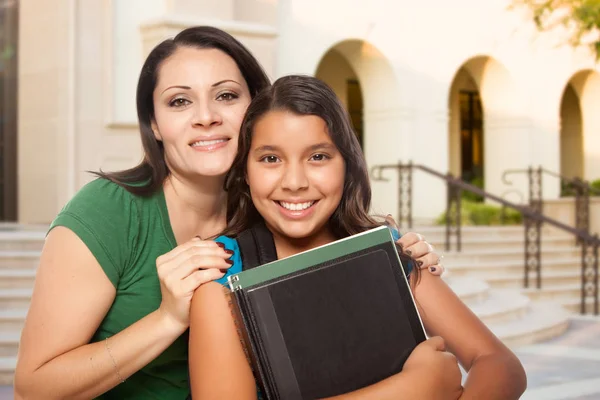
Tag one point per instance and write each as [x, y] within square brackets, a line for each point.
[419, 263]
[224, 271]
[228, 251]
[221, 245]
[408, 252]
[432, 269]
[230, 262]
[198, 236]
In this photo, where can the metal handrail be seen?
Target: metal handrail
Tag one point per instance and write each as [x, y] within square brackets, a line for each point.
[532, 215]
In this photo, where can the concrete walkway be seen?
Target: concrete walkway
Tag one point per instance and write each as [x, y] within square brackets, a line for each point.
[564, 368]
[567, 367]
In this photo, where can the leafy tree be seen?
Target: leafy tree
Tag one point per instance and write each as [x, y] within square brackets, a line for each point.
[580, 17]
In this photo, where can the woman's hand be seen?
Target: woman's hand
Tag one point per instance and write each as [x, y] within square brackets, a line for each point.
[414, 245]
[182, 270]
[435, 370]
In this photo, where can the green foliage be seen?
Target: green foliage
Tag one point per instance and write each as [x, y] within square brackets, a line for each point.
[581, 17]
[470, 196]
[475, 213]
[595, 186]
[567, 190]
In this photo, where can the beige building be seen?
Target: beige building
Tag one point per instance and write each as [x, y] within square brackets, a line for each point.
[467, 86]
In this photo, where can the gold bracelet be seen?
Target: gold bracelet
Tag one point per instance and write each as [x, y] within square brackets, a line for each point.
[113, 361]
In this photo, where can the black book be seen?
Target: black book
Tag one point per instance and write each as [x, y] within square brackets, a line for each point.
[330, 320]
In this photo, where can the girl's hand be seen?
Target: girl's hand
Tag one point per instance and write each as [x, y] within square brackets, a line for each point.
[182, 270]
[436, 369]
[414, 245]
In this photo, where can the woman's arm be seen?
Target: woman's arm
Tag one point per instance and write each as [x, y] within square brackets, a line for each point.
[219, 367]
[71, 297]
[494, 371]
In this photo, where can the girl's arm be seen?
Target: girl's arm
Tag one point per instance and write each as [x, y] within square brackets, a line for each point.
[220, 369]
[494, 371]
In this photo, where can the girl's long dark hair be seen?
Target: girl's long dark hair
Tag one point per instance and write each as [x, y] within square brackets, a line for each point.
[305, 95]
[147, 177]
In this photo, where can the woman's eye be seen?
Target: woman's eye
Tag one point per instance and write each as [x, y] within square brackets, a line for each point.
[269, 159]
[319, 157]
[227, 96]
[179, 102]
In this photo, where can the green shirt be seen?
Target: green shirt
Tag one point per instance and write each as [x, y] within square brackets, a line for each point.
[126, 233]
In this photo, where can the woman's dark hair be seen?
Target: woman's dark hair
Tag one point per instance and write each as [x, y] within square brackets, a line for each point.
[147, 177]
[303, 95]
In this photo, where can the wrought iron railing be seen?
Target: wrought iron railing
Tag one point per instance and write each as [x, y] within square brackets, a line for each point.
[580, 188]
[533, 219]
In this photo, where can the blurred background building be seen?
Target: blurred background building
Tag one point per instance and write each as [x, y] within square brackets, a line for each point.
[468, 87]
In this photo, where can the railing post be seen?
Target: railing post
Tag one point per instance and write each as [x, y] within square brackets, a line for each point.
[405, 195]
[453, 213]
[533, 231]
[582, 206]
[589, 273]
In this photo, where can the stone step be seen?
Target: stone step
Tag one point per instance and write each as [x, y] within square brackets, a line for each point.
[15, 299]
[516, 242]
[543, 321]
[574, 305]
[495, 268]
[438, 233]
[22, 240]
[557, 293]
[7, 370]
[9, 343]
[19, 259]
[507, 255]
[501, 306]
[16, 278]
[548, 279]
[12, 320]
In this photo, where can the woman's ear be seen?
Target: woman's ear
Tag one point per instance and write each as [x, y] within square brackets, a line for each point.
[155, 130]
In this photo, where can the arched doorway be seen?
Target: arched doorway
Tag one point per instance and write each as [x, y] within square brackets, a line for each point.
[571, 135]
[579, 126]
[335, 70]
[486, 127]
[8, 110]
[467, 128]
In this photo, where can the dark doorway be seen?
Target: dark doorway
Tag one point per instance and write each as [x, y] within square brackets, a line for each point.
[355, 107]
[471, 137]
[9, 18]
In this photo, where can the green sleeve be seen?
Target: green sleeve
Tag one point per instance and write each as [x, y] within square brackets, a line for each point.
[104, 216]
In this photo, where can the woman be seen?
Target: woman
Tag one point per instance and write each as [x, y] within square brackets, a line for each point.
[110, 306]
[300, 170]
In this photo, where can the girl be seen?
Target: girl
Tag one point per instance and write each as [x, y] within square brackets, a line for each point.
[300, 169]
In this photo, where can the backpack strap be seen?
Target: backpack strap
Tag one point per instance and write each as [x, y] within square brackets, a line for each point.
[257, 246]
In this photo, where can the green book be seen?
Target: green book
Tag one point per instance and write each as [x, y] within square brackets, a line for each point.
[329, 320]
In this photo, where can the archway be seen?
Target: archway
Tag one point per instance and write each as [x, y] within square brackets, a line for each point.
[487, 129]
[579, 127]
[335, 70]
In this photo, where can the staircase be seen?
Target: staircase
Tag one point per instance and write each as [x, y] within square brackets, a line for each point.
[20, 249]
[487, 276]
[491, 264]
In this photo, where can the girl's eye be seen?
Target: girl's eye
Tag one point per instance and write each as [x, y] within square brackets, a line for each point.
[228, 96]
[319, 157]
[179, 102]
[270, 159]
